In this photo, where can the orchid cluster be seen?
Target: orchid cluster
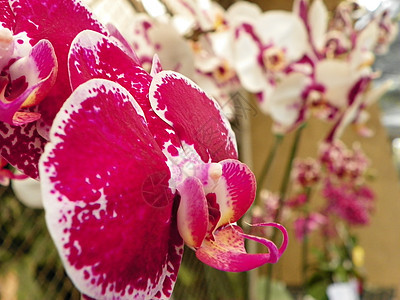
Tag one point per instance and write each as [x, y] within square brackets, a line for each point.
[136, 160]
[312, 65]
[133, 163]
[309, 64]
[342, 176]
[191, 37]
[331, 195]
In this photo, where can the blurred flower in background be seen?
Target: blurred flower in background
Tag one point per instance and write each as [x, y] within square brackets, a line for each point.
[300, 64]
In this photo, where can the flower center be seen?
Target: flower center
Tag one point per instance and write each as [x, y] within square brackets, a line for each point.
[223, 72]
[274, 59]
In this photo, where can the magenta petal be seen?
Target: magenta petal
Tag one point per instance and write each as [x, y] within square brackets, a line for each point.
[94, 55]
[282, 229]
[108, 205]
[156, 66]
[192, 212]
[114, 33]
[59, 22]
[196, 118]
[25, 153]
[235, 191]
[227, 251]
[6, 15]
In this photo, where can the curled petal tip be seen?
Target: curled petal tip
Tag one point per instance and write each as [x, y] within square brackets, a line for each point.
[227, 252]
[284, 232]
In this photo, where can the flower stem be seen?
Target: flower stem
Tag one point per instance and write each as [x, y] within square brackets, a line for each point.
[268, 164]
[282, 196]
[286, 177]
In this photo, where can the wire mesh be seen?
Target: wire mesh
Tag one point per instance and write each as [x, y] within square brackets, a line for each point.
[30, 268]
[29, 264]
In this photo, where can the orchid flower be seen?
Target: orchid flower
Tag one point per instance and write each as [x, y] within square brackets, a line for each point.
[195, 16]
[352, 203]
[166, 174]
[269, 62]
[306, 172]
[28, 73]
[34, 48]
[388, 31]
[194, 56]
[261, 55]
[303, 226]
[150, 36]
[328, 38]
[214, 69]
[344, 163]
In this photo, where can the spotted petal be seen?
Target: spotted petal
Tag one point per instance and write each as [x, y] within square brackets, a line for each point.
[59, 22]
[32, 21]
[108, 205]
[94, 55]
[24, 154]
[6, 16]
[196, 118]
[227, 251]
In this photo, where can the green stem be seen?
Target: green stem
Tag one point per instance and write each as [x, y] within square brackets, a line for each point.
[268, 164]
[268, 290]
[282, 196]
[286, 177]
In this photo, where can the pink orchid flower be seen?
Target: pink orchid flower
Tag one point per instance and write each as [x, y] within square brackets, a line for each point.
[303, 226]
[28, 72]
[154, 165]
[34, 44]
[353, 203]
[306, 172]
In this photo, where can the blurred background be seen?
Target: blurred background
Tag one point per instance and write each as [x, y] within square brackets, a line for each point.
[30, 267]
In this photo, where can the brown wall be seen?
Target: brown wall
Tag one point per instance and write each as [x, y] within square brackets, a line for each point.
[287, 4]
